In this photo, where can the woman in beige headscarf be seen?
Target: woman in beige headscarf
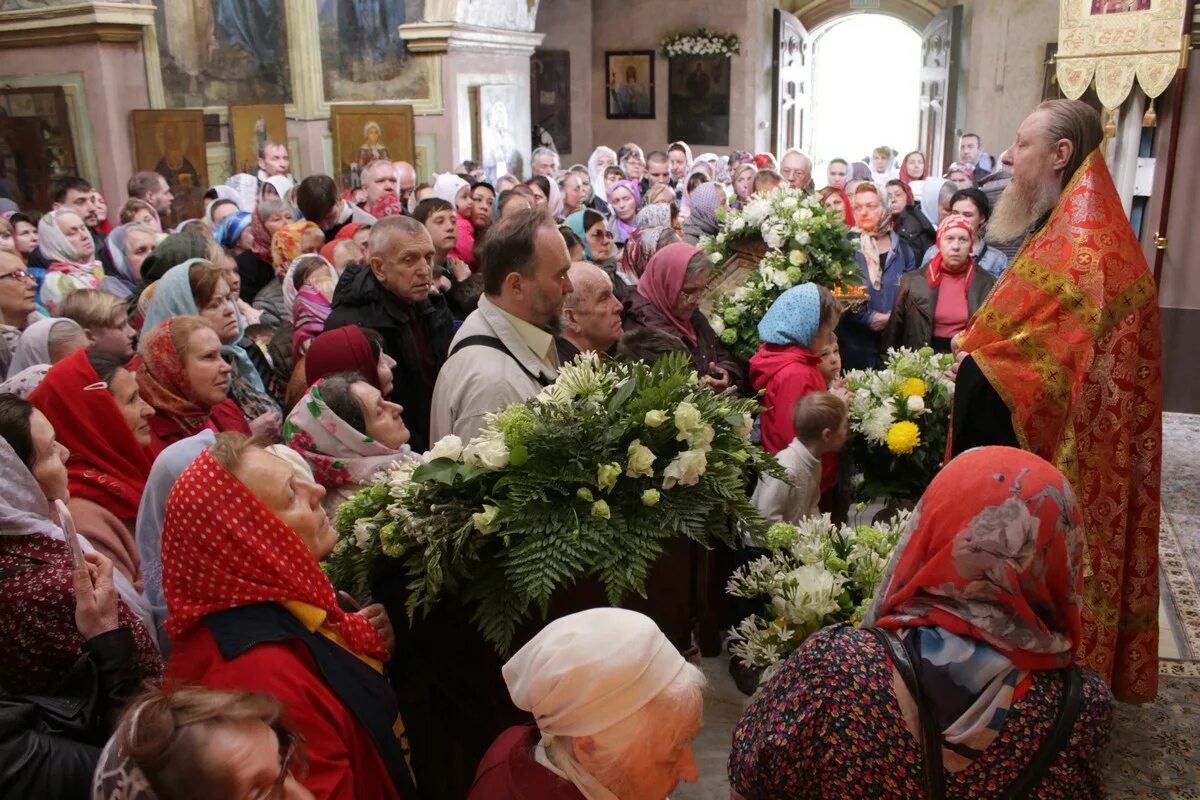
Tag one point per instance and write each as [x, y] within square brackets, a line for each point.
[616, 707]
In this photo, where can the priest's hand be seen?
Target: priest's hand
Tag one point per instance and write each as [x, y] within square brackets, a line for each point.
[378, 617]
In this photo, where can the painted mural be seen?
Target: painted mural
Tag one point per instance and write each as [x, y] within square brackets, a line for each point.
[223, 52]
[362, 54]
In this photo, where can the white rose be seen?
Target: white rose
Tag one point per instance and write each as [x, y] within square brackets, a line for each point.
[701, 439]
[641, 460]
[686, 469]
[789, 202]
[737, 224]
[485, 521]
[450, 447]
[687, 419]
[801, 237]
[781, 279]
[488, 451]
[806, 213]
[717, 324]
[916, 404]
[794, 258]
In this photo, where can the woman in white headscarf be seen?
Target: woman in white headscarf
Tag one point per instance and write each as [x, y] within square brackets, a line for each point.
[47, 342]
[601, 159]
[457, 192]
[67, 244]
[616, 706]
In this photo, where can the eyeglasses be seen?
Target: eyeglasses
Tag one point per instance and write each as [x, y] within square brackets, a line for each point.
[17, 275]
[288, 746]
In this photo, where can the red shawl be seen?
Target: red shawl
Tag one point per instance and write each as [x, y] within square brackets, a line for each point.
[341, 350]
[936, 269]
[1070, 338]
[222, 548]
[107, 465]
[663, 280]
[260, 243]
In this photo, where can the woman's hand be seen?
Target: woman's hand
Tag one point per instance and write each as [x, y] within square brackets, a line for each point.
[717, 378]
[266, 426]
[95, 596]
[459, 268]
[378, 617]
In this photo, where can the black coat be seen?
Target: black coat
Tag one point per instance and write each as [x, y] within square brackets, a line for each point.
[255, 274]
[361, 300]
[915, 229]
[911, 324]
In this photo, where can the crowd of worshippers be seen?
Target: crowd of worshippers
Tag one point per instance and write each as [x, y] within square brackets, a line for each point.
[202, 400]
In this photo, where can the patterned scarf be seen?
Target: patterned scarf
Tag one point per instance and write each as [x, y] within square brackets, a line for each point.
[288, 244]
[663, 280]
[870, 248]
[640, 248]
[163, 381]
[936, 266]
[260, 244]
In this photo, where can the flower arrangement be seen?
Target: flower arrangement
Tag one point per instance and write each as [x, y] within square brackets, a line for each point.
[701, 42]
[816, 574]
[901, 415]
[804, 243]
[589, 479]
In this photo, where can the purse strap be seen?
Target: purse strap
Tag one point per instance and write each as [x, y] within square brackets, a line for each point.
[931, 738]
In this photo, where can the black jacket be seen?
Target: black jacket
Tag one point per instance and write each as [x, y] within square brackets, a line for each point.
[49, 746]
[361, 300]
[255, 274]
[911, 324]
[915, 229]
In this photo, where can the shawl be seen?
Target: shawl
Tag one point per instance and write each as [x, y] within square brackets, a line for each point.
[122, 281]
[663, 280]
[936, 270]
[655, 215]
[793, 318]
[596, 172]
[705, 200]
[223, 548]
[338, 454]
[447, 186]
[870, 248]
[621, 228]
[554, 201]
[163, 382]
[107, 465]
[640, 248]
[261, 243]
[287, 244]
[344, 349]
[1003, 519]
[230, 231]
[25, 381]
[33, 347]
[246, 187]
[56, 248]
[1070, 339]
[308, 307]
[173, 297]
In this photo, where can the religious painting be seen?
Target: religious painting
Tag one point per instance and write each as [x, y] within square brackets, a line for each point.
[362, 55]
[698, 100]
[497, 141]
[36, 145]
[249, 128]
[629, 84]
[1100, 7]
[223, 52]
[171, 143]
[550, 99]
[362, 134]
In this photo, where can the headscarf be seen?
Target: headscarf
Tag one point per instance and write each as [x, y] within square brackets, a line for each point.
[389, 205]
[121, 281]
[287, 242]
[163, 381]
[25, 381]
[859, 171]
[230, 230]
[223, 548]
[663, 280]
[584, 673]
[654, 215]
[118, 776]
[988, 579]
[847, 211]
[107, 465]
[338, 454]
[54, 244]
[904, 170]
[929, 198]
[868, 246]
[261, 243]
[793, 318]
[282, 185]
[622, 229]
[766, 161]
[964, 167]
[705, 201]
[936, 270]
[246, 187]
[639, 249]
[309, 306]
[447, 186]
[33, 347]
[171, 252]
[577, 222]
[347, 231]
[596, 173]
[344, 349]
[554, 200]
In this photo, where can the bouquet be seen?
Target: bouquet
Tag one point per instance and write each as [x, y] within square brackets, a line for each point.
[804, 243]
[589, 479]
[901, 418]
[701, 42]
[817, 574]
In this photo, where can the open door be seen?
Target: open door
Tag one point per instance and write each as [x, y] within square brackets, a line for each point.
[941, 63]
[792, 72]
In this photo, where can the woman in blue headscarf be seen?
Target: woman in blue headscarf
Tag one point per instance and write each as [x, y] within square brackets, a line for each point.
[592, 230]
[233, 233]
[199, 288]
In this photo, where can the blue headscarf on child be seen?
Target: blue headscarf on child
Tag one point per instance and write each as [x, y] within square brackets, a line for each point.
[793, 318]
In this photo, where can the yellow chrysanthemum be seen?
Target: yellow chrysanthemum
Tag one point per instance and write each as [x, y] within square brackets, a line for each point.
[903, 437]
[912, 387]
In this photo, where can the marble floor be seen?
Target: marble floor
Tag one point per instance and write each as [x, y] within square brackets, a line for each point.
[1156, 747]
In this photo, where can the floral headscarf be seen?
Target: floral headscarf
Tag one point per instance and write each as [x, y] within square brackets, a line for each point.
[229, 231]
[389, 205]
[868, 246]
[287, 244]
[986, 583]
[223, 548]
[639, 249]
[163, 381]
[663, 280]
[654, 215]
[936, 267]
[338, 454]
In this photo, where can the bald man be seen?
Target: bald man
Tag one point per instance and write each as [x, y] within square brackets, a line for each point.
[406, 181]
[379, 178]
[591, 315]
[796, 168]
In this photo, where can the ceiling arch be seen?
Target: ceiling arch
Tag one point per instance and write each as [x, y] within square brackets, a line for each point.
[917, 13]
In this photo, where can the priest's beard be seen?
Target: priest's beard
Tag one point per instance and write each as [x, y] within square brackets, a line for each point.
[1021, 206]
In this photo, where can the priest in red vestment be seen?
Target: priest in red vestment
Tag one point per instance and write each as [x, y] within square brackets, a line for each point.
[1065, 360]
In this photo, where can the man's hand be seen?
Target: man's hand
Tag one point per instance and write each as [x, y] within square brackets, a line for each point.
[879, 320]
[378, 617]
[95, 596]
[459, 268]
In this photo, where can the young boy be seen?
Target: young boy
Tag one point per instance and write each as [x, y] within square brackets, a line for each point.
[103, 317]
[822, 423]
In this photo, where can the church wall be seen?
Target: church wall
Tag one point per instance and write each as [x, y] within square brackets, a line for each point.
[568, 26]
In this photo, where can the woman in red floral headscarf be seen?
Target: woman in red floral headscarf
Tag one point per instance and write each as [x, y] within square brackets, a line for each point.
[251, 610]
[976, 621]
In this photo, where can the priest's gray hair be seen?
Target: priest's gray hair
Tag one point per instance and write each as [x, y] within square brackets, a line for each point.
[1077, 122]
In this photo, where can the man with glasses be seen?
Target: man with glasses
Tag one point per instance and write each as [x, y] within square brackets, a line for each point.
[796, 169]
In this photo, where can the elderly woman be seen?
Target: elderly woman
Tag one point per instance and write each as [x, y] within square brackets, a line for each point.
[93, 403]
[911, 224]
[269, 621]
[625, 197]
[346, 349]
[592, 229]
[186, 381]
[67, 244]
[234, 234]
[196, 742]
[668, 300]
[37, 617]
[128, 248]
[18, 306]
[641, 247]
[616, 706]
[972, 204]
[346, 431]
[936, 301]
[46, 342]
[968, 648]
[705, 200]
[882, 258]
[256, 265]
[199, 288]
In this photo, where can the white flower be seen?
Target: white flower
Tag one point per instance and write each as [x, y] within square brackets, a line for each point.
[701, 438]
[717, 324]
[641, 460]
[774, 235]
[789, 202]
[686, 469]
[745, 427]
[741, 294]
[801, 237]
[808, 594]
[485, 521]
[687, 419]
[487, 450]
[450, 447]
[362, 533]
[737, 224]
[655, 418]
[795, 258]
[781, 279]
[876, 424]
[916, 404]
